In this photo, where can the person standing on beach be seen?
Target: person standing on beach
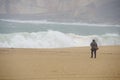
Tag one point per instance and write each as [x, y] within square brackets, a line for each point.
[94, 48]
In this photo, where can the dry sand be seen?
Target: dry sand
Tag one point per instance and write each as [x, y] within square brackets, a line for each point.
[60, 64]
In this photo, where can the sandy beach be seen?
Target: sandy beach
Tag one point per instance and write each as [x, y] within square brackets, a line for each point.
[60, 64]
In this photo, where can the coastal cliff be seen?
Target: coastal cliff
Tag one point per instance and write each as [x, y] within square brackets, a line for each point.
[63, 10]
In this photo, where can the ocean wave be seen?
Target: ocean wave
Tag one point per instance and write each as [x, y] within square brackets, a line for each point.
[62, 23]
[54, 39]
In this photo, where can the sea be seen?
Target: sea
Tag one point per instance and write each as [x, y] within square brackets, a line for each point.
[49, 34]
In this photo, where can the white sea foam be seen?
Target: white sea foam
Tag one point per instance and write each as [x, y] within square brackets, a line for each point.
[54, 39]
[63, 23]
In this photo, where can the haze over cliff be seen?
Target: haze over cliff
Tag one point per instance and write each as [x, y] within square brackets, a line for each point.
[97, 11]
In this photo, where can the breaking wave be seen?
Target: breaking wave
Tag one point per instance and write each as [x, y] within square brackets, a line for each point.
[54, 39]
[63, 23]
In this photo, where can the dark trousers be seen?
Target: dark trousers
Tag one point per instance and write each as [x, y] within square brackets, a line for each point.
[93, 53]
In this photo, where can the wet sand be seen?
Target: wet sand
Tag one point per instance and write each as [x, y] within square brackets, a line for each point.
[60, 64]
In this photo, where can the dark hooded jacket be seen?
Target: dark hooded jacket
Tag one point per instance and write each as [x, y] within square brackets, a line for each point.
[93, 45]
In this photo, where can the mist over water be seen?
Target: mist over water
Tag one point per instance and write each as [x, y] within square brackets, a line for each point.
[44, 34]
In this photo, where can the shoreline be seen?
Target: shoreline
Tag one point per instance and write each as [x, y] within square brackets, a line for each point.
[60, 47]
